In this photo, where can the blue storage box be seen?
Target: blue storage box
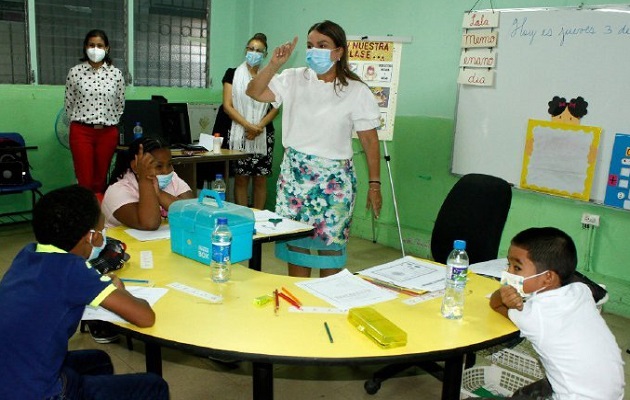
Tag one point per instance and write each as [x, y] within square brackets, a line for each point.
[192, 222]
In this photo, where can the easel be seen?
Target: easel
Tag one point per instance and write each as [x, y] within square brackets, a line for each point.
[391, 184]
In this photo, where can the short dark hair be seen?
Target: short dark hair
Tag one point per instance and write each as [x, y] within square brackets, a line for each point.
[102, 35]
[549, 249]
[63, 216]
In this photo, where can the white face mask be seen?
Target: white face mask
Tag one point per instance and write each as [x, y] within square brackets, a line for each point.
[517, 282]
[164, 180]
[96, 250]
[95, 54]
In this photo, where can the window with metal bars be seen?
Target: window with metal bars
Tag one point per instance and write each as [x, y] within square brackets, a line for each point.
[61, 27]
[171, 43]
[14, 67]
[170, 46]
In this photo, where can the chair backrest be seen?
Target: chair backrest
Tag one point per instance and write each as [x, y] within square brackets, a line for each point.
[475, 210]
[13, 136]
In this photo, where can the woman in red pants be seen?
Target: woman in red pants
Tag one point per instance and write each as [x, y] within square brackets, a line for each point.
[94, 102]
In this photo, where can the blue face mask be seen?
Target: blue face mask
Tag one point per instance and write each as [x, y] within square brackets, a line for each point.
[253, 58]
[96, 250]
[319, 60]
[164, 180]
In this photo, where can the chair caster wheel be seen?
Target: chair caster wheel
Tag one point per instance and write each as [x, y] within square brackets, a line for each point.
[371, 386]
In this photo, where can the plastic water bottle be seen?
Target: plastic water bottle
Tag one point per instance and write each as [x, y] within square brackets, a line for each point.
[220, 266]
[218, 185]
[137, 131]
[456, 275]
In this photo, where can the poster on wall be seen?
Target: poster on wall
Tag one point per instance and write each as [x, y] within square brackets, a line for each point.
[618, 187]
[559, 158]
[377, 63]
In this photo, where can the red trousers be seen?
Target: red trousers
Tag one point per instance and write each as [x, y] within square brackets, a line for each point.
[92, 151]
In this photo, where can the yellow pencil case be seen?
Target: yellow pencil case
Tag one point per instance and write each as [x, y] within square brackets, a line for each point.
[375, 326]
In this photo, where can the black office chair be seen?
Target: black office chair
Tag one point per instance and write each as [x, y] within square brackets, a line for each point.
[475, 210]
[15, 174]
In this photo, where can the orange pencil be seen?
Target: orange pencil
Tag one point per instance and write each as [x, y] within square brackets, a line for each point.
[285, 290]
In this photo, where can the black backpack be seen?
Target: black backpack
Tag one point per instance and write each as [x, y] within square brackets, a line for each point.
[13, 163]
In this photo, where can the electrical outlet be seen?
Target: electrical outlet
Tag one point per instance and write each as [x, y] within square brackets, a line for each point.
[590, 219]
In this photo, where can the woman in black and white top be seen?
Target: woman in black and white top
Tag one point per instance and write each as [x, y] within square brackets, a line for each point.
[94, 102]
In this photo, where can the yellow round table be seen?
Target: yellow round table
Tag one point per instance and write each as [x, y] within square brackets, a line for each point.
[239, 329]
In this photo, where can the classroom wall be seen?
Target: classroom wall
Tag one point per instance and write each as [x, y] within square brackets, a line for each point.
[421, 149]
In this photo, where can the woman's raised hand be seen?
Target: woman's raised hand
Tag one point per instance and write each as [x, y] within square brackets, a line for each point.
[282, 53]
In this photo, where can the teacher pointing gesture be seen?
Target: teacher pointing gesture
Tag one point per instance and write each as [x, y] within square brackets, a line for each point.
[323, 104]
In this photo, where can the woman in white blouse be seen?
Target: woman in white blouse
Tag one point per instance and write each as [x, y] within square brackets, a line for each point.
[94, 102]
[323, 104]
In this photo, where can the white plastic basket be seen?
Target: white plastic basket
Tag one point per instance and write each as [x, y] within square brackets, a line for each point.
[603, 300]
[498, 381]
[518, 362]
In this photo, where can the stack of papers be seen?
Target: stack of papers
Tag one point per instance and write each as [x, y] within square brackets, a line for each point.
[409, 272]
[345, 290]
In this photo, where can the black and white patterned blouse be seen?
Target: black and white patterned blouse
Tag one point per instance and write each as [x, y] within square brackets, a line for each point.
[95, 96]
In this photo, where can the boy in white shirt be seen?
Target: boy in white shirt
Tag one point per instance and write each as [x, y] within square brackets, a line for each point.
[579, 353]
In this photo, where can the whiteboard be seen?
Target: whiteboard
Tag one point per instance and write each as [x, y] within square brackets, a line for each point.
[542, 53]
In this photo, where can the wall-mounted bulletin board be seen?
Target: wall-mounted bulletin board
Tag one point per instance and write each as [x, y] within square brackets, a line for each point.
[568, 66]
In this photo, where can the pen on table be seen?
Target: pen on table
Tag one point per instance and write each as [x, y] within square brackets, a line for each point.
[328, 332]
[277, 304]
[129, 280]
[285, 290]
[289, 300]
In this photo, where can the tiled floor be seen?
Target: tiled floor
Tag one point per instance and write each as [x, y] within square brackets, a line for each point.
[192, 378]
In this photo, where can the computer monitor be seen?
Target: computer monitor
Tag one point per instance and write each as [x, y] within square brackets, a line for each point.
[175, 123]
[147, 112]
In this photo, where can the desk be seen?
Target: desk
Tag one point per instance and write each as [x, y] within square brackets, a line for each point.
[186, 166]
[234, 329]
[256, 261]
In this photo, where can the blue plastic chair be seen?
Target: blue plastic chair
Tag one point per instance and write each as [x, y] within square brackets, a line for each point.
[27, 183]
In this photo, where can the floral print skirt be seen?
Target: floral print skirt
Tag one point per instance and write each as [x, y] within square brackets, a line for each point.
[320, 192]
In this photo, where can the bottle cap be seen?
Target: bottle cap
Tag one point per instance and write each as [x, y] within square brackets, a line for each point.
[459, 245]
[222, 221]
[219, 176]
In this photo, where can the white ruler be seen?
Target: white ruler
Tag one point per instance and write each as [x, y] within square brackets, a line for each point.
[195, 292]
[425, 297]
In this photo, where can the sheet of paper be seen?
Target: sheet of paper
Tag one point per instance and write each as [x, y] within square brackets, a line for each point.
[345, 290]
[265, 227]
[206, 141]
[490, 268]
[409, 272]
[163, 232]
[150, 294]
